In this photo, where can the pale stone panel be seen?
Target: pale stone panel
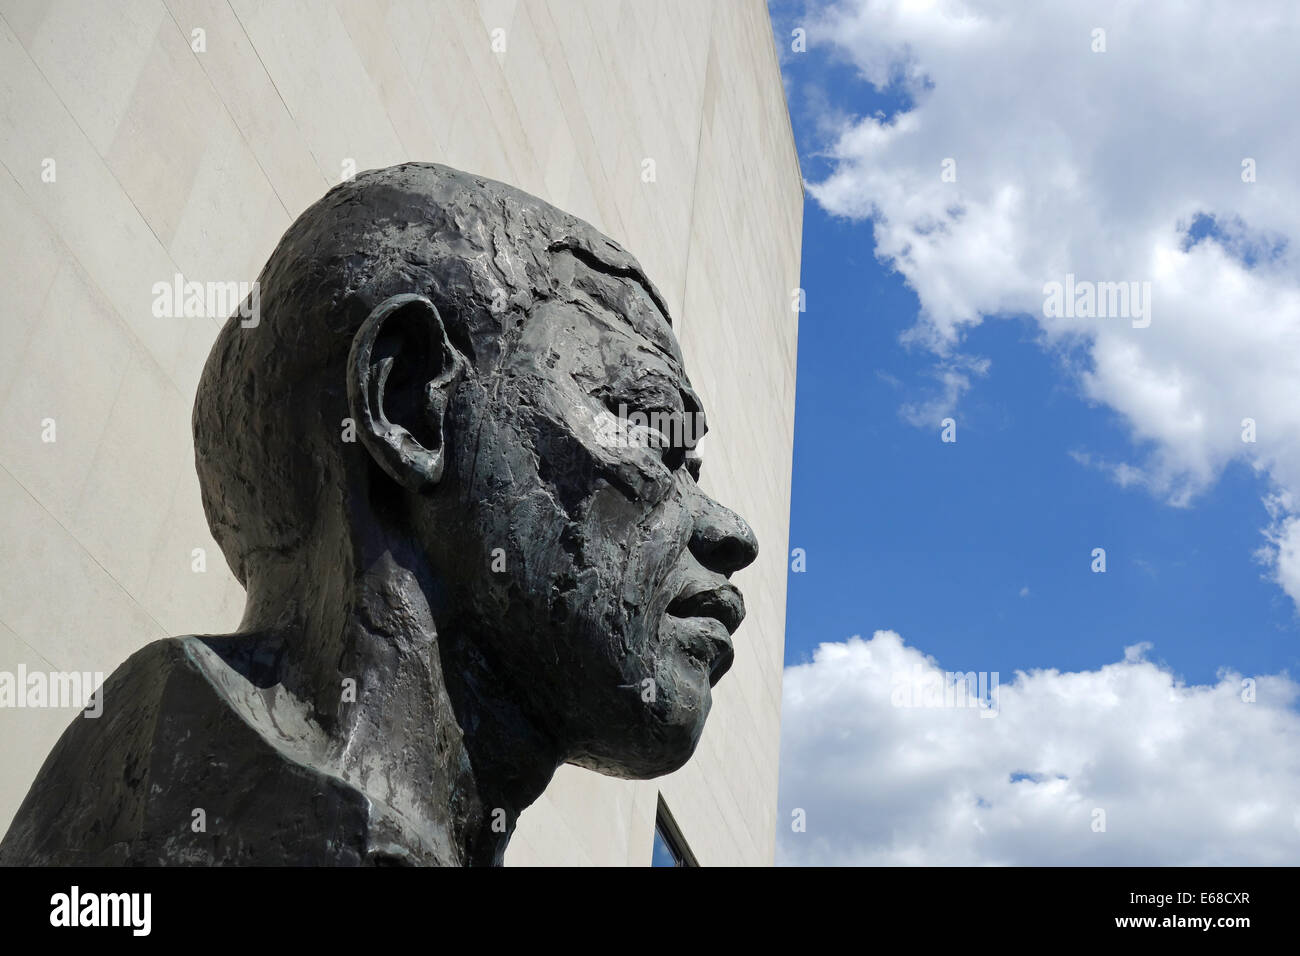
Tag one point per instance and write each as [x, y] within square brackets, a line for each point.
[92, 58]
[85, 206]
[59, 600]
[140, 454]
[248, 94]
[311, 59]
[71, 372]
[32, 256]
[29, 732]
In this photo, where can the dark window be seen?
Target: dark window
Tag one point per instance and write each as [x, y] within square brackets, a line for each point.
[670, 848]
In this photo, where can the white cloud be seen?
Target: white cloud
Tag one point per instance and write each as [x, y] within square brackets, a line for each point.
[1282, 552]
[1095, 165]
[1185, 774]
[953, 376]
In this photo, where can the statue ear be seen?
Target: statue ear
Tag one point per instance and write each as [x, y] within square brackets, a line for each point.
[401, 370]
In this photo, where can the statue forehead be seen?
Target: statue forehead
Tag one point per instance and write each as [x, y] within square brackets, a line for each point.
[498, 224]
[385, 227]
[628, 296]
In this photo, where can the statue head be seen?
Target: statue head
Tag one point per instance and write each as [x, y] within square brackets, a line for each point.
[451, 377]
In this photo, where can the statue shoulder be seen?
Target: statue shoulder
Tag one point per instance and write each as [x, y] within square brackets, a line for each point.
[90, 798]
[200, 757]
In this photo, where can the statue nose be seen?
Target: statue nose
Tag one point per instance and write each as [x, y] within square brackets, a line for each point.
[722, 541]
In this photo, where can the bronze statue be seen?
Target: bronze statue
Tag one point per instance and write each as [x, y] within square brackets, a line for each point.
[470, 554]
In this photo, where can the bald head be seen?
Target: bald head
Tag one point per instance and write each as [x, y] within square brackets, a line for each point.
[269, 416]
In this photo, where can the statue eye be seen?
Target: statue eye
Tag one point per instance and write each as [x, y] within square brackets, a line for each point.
[665, 428]
[693, 463]
[674, 449]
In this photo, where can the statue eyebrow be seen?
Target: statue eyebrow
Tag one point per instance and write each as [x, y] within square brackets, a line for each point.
[597, 264]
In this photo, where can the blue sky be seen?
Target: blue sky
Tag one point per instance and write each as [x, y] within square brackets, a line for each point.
[976, 555]
[910, 533]
[903, 531]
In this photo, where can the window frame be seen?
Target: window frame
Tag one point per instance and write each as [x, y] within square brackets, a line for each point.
[666, 829]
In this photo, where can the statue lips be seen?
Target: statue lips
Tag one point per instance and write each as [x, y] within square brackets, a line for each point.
[707, 614]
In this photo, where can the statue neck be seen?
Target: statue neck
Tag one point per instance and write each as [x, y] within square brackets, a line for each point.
[411, 715]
